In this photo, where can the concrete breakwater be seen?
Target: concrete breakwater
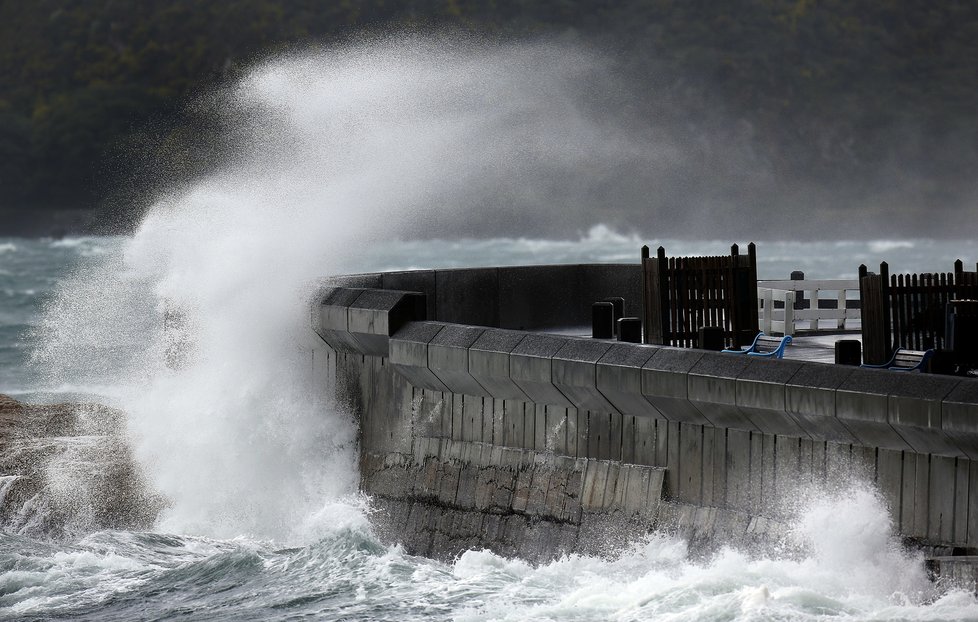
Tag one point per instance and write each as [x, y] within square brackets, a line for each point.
[482, 425]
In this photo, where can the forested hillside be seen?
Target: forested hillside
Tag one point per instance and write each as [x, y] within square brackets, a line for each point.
[858, 84]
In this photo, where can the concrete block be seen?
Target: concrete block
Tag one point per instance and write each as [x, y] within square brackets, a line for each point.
[861, 404]
[538, 297]
[448, 358]
[959, 416]
[619, 378]
[468, 296]
[665, 384]
[489, 363]
[914, 410]
[422, 281]
[331, 321]
[574, 373]
[595, 480]
[377, 314]
[712, 386]
[760, 394]
[810, 398]
[409, 354]
[530, 367]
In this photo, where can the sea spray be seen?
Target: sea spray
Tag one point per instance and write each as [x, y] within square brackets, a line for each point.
[330, 154]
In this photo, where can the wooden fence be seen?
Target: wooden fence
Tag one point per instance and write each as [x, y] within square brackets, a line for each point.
[683, 294]
[908, 310]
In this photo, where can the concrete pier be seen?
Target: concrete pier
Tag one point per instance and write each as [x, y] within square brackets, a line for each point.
[481, 428]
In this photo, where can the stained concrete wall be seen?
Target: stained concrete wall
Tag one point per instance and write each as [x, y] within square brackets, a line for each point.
[704, 443]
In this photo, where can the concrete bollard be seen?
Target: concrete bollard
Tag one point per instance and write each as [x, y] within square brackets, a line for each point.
[630, 329]
[848, 352]
[619, 304]
[603, 320]
[711, 338]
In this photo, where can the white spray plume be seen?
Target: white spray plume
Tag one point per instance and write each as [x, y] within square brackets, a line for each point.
[345, 149]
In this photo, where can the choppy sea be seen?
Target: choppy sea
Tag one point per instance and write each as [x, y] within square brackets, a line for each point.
[310, 553]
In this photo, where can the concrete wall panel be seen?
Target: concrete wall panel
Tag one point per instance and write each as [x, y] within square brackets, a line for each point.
[574, 373]
[665, 383]
[531, 365]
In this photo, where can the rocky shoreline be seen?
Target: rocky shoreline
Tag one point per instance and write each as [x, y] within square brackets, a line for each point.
[67, 469]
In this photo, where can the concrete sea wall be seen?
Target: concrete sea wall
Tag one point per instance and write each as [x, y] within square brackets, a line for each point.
[481, 427]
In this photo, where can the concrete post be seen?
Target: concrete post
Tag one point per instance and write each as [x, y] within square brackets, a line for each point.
[602, 320]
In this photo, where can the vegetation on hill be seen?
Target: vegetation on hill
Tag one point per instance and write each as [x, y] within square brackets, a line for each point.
[857, 84]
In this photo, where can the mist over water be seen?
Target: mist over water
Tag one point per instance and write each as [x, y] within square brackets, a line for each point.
[331, 155]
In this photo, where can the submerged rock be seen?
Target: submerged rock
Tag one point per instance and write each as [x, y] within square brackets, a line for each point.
[66, 470]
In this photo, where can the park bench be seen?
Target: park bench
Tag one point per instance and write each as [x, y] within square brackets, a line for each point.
[906, 360]
[765, 345]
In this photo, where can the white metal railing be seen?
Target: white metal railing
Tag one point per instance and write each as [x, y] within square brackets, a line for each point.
[791, 321]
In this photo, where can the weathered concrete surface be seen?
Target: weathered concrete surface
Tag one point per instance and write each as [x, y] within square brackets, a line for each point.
[725, 438]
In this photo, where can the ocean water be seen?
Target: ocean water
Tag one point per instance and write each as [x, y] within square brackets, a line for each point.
[334, 160]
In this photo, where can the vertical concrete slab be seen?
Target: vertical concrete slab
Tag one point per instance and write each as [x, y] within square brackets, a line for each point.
[471, 418]
[690, 463]
[863, 462]
[908, 493]
[583, 432]
[889, 480]
[599, 433]
[719, 461]
[458, 417]
[378, 314]
[787, 462]
[557, 430]
[709, 456]
[673, 462]
[615, 436]
[973, 504]
[921, 496]
[513, 418]
[540, 430]
[810, 398]
[529, 426]
[738, 470]
[768, 489]
[756, 498]
[940, 522]
[962, 494]
[806, 460]
[628, 432]
[645, 441]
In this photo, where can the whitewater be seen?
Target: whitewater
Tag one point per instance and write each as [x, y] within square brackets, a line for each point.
[369, 156]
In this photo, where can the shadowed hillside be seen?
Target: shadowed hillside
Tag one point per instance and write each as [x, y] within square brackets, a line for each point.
[831, 105]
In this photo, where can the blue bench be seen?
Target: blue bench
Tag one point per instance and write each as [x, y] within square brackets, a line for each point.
[765, 345]
[906, 360]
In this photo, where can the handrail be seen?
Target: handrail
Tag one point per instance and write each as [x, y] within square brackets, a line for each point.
[790, 320]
